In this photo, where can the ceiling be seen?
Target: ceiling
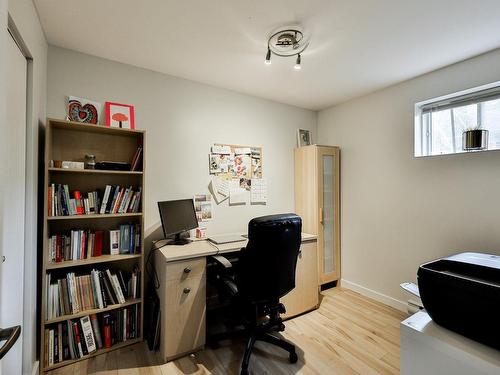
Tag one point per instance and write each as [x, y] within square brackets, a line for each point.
[357, 46]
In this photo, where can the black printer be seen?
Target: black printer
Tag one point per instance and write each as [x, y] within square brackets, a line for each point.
[462, 293]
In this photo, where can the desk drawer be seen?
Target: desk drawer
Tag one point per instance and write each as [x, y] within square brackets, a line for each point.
[185, 269]
[183, 328]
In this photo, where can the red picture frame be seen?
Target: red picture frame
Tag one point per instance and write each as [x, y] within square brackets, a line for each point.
[112, 112]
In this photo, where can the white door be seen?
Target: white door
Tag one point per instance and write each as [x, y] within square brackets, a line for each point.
[13, 205]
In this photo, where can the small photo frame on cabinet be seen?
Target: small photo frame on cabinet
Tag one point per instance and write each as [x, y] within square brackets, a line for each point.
[303, 138]
[119, 115]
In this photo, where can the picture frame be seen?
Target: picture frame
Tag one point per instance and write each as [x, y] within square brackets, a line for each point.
[83, 110]
[119, 115]
[303, 138]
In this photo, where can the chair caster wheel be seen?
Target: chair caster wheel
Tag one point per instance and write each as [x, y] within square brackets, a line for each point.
[293, 358]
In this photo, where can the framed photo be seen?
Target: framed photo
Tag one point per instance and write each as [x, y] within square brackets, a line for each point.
[83, 110]
[303, 137]
[119, 115]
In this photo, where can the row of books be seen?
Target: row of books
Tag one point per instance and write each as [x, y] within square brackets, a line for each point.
[74, 294]
[115, 199]
[84, 243]
[126, 240]
[77, 338]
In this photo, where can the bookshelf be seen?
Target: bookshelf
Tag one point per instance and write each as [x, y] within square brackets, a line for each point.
[66, 140]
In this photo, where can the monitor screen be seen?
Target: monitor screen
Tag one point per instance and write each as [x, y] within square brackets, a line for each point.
[177, 216]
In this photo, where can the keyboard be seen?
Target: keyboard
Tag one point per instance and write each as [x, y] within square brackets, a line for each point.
[225, 238]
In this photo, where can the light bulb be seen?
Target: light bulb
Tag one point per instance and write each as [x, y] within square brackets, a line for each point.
[297, 65]
[268, 57]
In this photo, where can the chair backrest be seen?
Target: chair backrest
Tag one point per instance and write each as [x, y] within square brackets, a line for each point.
[266, 269]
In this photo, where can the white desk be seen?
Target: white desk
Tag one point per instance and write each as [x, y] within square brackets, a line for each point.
[204, 248]
[427, 348]
[182, 275]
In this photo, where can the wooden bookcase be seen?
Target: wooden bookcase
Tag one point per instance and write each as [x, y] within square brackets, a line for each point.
[65, 140]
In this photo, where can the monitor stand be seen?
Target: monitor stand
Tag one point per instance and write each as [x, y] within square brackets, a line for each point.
[177, 240]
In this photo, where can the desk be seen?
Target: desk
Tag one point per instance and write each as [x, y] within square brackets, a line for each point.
[182, 275]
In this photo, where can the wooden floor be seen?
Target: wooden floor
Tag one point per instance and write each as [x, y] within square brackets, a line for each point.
[348, 334]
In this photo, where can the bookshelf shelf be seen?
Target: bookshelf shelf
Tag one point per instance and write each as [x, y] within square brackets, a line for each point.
[93, 171]
[71, 141]
[95, 216]
[90, 128]
[62, 318]
[94, 260]
[98, 352]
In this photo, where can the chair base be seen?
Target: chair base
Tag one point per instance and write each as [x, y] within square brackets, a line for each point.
[269, 338]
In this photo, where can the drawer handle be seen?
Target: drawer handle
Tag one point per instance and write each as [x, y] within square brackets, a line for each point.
[186, 290]
[187, 269]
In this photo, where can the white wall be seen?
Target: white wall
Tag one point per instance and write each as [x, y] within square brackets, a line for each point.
[399, 211]
[182, 119]
[26, 21]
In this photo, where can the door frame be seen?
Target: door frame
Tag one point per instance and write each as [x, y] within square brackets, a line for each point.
[29, 322]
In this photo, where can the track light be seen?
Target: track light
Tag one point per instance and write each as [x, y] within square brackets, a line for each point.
[268, 57]
[297, 63]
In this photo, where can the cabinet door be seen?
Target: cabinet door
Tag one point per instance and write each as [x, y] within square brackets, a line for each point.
[329, 226]
[305, 295]
[184, 328]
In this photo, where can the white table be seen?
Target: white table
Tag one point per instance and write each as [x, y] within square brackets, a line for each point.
[427, 348]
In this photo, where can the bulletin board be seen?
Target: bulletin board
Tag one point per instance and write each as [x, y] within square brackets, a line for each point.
[237, 173]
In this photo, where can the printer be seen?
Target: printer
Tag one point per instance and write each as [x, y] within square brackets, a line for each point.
[462, 293]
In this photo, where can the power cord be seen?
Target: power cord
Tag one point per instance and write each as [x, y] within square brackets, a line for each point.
[150, 267]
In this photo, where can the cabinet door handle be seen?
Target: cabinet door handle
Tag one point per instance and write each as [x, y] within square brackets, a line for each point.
[321, 215]
[186, 290]
[187, 269]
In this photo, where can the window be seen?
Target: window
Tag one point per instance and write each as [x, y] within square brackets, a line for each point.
[440, 123]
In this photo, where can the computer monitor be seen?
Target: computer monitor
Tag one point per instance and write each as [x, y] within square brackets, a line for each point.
[176, 217]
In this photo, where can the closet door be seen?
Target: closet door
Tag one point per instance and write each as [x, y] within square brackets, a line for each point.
[329, 226]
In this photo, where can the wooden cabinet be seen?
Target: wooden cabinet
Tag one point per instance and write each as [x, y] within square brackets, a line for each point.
[183, 292]
[317, 201]
[305, 295]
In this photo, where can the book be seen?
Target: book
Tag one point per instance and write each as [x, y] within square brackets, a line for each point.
[103, 290]
[107, 192]
[123, 285]
[56, 346]
[97, 288]
[51, 347]
[116, 286]
[134, 166]
[107, 330]
[114, 242]
[77, 338]
[109, 289]
[124, 239]
[97, 331]
[71, 341]
[59, 343]
[112, 201]
[88, 334]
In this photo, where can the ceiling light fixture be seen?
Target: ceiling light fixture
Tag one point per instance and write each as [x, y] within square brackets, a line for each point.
[287, 43]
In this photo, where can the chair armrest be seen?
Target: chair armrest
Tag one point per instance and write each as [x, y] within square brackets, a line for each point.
[223, 261]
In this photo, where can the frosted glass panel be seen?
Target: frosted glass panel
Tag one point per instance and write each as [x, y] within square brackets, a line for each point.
[328, 216]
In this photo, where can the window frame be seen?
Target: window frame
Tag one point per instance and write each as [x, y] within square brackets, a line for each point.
[422, 141]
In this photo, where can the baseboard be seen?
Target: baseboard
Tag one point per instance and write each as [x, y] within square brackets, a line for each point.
[393, 302]
[35, 368]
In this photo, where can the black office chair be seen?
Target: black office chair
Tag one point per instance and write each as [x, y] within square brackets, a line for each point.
[264, 273]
